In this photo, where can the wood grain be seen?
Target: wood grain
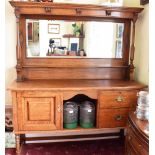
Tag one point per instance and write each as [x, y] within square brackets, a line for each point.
[118, 99]
[108, 117]
[38, 112]
[137, 139]
[62, 85]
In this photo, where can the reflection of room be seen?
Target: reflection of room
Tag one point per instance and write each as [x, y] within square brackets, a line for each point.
[93, 41]
[97, 39]
[33, 37]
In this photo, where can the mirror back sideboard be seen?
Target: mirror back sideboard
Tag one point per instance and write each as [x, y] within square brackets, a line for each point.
[44, 84]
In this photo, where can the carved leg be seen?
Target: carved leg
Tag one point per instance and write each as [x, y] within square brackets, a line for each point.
[22, 139]
[17, 136]
[121, 134]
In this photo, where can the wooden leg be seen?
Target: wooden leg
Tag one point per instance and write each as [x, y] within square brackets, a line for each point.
[17, 144]
[22, 139]
[121, 134]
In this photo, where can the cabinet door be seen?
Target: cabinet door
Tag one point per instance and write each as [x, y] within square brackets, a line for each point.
[39, 111]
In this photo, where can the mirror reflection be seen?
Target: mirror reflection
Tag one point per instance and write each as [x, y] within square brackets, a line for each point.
[68, 39]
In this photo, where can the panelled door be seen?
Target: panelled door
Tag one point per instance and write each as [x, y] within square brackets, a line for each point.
[39, 111]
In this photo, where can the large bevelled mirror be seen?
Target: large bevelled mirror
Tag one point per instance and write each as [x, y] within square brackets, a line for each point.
[70, 39]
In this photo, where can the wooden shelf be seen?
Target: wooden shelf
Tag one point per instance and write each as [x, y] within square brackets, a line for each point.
[72, 36]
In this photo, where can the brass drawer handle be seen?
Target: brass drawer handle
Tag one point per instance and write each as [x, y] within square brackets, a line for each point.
[119, 99]
[118, 117]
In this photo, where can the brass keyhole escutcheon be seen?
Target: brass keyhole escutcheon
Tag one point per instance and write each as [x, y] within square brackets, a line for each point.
[119, 99]
[118, 117]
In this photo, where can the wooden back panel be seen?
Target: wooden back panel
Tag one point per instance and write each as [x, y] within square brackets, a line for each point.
[74, 73]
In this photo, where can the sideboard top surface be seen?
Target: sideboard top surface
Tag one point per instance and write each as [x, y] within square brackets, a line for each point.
[75, 85]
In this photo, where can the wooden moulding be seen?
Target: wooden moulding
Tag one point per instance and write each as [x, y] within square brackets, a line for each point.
[78, 7]
[74, 137]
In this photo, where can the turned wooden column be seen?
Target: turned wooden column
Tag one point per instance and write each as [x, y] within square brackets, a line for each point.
[19, 47]
[22, 139]
[132, 49]
[18, 148]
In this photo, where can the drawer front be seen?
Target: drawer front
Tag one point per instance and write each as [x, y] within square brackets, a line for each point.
[38, 113]
[111, 118]
[135, 142]
[117, 99]
[74, 11]
[61, 11]
[48, 10]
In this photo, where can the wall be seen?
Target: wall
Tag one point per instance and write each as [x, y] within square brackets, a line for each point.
[65, 28]
[142, 47]
[141, 42]
[134, 3]
[10, 48]
[141, 60]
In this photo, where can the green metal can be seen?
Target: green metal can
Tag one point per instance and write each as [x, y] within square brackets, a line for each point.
[87, 114]
[70, 115]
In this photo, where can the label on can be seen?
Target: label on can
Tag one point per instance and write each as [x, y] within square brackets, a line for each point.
[71, 111]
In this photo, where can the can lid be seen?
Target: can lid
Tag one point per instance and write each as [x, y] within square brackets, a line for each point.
[143, 94]
[70, 105]
[143, 107]
[87, 105]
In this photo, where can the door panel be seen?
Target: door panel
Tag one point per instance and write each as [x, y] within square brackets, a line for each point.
[39, 113]
[44, 107]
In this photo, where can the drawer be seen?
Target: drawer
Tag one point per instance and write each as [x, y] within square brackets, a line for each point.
[62, 11]
[135, 142]
[111, 118]
[117, 99]
[48, 10]
[74, 11]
